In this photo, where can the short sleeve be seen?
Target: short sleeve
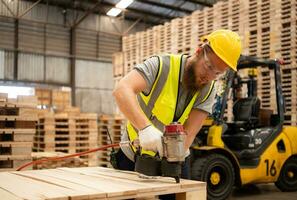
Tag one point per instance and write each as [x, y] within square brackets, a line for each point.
[149, 71]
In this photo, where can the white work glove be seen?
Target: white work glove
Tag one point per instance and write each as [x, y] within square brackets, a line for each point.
[150, 138]
[187, 153]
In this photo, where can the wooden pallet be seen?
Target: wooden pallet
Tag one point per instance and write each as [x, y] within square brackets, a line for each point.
[17, 127]
[11, 163]
[69, 162]
[69, 133]
[93, 183]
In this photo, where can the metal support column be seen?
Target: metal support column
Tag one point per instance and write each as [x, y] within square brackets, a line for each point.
[16, 47]
[72, 63]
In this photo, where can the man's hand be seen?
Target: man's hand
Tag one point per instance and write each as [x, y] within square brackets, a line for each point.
[150, 138]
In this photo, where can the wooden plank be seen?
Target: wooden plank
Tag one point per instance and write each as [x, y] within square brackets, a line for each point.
[57, 179]
[163, 185]
[8, 195]
[31, 189]
[93, 183]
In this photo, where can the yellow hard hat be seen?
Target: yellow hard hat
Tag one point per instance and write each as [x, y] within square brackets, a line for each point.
[226, 44]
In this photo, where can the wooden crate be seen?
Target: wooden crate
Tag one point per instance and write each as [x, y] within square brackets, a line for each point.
[44, 97]
[93, 183]
[55, 98]
[61, 99]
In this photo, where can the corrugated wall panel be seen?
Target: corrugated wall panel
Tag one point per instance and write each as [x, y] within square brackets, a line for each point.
[93, 74]
[6, 33]
[91, 22]
[99, 101]
[31, 36]
[1, 64]
[86, 43]
[57, 39]
[6, 64]
[93, 44]
[57, 70]
[107, 45]
[37, 13]
[55, 15]
[94, 84]
[31, 67]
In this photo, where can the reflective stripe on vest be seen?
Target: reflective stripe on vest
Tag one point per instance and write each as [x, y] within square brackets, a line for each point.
[160, 104]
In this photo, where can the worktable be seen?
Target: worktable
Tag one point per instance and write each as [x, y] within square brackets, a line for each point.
[92, 183]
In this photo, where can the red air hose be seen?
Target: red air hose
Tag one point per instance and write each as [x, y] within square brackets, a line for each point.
[68, 156]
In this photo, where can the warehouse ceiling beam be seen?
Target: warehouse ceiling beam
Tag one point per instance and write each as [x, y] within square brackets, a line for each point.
[203, 2]
[30, 8]
[88, 12]
[8, 8]
[163, 5]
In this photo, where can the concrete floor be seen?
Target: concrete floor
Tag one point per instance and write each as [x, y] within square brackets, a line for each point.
[261, 192]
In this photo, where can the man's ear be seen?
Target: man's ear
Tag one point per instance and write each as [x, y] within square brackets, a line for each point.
[198, 51]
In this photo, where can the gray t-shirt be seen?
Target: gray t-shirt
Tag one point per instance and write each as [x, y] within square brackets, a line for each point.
[149, 70]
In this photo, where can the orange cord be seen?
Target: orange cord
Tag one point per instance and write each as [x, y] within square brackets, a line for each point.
[68, 156]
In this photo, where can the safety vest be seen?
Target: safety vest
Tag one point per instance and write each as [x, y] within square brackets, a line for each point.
[160, 104]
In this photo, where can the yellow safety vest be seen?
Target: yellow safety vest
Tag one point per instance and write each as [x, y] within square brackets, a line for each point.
[160, 104]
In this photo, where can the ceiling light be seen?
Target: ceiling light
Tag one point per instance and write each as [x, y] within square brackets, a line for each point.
[114, 12]
[124, 4]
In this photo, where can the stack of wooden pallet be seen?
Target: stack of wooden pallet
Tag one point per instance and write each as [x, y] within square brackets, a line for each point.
[287, 34]
[112, 125]
[69, 133]
[17, 128]
[268, 29]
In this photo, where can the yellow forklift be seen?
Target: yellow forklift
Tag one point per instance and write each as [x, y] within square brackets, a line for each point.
[255, 147]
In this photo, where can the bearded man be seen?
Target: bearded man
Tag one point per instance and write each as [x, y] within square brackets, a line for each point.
[172, 88]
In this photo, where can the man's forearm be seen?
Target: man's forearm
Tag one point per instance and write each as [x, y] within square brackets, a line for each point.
[128, 104]
[190, 137]
[193, 125]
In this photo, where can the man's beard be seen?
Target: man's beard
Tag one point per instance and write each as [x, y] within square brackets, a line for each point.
[190, 80]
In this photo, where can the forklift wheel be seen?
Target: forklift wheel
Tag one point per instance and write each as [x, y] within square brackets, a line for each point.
[217, 171]
[287, 180]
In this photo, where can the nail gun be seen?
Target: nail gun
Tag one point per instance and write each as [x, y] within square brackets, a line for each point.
[170, 164]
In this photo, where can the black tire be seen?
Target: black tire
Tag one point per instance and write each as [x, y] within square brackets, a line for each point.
[287, 180]
[202, 169]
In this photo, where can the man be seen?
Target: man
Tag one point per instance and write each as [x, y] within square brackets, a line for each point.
[172, 88]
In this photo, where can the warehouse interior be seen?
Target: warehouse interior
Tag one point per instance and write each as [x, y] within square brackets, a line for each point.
[61, 61]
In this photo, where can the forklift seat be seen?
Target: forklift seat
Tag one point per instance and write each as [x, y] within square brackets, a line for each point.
[246, 112]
